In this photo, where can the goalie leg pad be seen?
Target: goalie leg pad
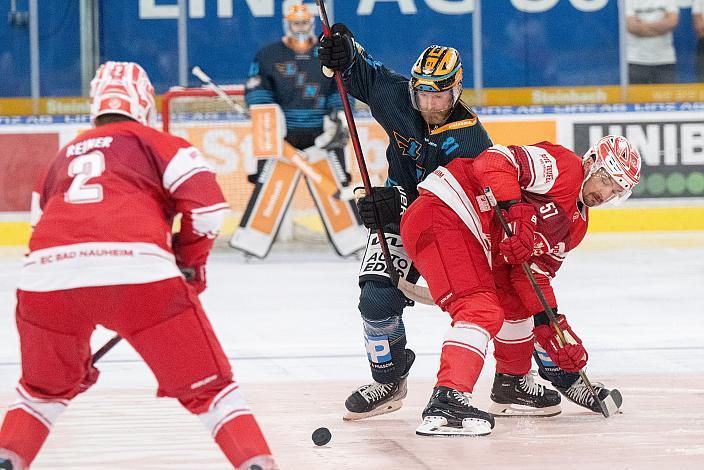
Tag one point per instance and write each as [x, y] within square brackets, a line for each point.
[339, 217]
[266, 208]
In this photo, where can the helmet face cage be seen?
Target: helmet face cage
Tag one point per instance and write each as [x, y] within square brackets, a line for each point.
[299, 13]
[616, 157]
[123, 88]
[437, 70]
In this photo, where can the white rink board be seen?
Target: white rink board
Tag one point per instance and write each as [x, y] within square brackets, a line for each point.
[293, 333]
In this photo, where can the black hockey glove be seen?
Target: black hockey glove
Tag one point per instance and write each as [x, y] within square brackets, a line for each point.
[384, 206]
[337, 51]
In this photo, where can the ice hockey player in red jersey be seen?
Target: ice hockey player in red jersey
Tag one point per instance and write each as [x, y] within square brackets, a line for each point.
[102, 253]
[474, 271]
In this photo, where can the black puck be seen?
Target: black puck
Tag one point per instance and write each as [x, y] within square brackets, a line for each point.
[321, 436]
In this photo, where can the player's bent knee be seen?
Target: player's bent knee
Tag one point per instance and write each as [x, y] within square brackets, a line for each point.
[379, 300]
[184, 355]
[43, 409]
[516, 331]
[481, 308]
[217, 409]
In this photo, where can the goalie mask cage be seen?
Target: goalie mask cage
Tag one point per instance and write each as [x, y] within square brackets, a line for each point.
[223, 135]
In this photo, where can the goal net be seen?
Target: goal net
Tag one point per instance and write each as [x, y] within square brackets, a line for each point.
[223, 134]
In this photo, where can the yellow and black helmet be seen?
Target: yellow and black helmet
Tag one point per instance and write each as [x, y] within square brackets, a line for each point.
[438, 68]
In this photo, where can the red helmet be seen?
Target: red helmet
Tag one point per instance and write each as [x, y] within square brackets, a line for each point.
[123, 88]
[620, 159]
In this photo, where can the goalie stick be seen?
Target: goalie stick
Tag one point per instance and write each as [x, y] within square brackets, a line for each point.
[412, 291]
[290, 153]
[608, 405]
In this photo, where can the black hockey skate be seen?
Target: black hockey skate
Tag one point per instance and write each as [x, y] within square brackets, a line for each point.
[376, 399]
[579, 393]
[520, 395]
[449, 413]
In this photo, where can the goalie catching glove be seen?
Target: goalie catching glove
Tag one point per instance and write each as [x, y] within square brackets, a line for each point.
[519, 247]
[570, 357]
[384, 206]
[335, 132]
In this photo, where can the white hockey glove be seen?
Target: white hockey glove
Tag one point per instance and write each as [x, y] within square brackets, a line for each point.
[335, 132]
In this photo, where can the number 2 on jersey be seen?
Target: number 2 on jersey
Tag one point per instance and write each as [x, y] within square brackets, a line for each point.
[81, 169]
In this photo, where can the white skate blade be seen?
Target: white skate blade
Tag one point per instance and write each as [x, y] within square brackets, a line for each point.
[613, 402]
[437, 426]
[512, 410]
[386, 408]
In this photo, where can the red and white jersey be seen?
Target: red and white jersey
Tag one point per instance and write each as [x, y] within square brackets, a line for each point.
[550, 178]
[103, 211]
[545, 175]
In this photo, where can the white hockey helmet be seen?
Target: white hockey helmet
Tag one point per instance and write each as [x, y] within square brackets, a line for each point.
[123, 88]
[617, 157]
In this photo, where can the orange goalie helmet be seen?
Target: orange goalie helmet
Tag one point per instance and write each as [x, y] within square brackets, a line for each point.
[298, 26]
[123, 88]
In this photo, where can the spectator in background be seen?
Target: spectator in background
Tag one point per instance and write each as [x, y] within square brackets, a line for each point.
[698, 24]
[651, 51]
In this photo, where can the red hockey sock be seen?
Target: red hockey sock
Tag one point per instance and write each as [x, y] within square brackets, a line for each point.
[241, 439]
[23, 434]
[513, 358]
[513, 347]
[459, 368]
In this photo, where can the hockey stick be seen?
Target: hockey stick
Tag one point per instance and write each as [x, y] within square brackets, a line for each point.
[548, 310]
[412, 291]
[105, 348]
[290, 153]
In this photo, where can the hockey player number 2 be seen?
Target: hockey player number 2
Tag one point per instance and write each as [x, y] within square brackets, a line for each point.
[81, 169]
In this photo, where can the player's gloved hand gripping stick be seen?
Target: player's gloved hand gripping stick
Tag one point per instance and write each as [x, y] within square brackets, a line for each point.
[412, 291]
[608, 407]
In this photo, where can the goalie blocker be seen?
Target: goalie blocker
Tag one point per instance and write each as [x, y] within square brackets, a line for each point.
[276, 185]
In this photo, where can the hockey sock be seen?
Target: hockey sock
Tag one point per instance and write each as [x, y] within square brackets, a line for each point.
[23, 434]
[241, 439]
[513, 347]
[462, 356]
